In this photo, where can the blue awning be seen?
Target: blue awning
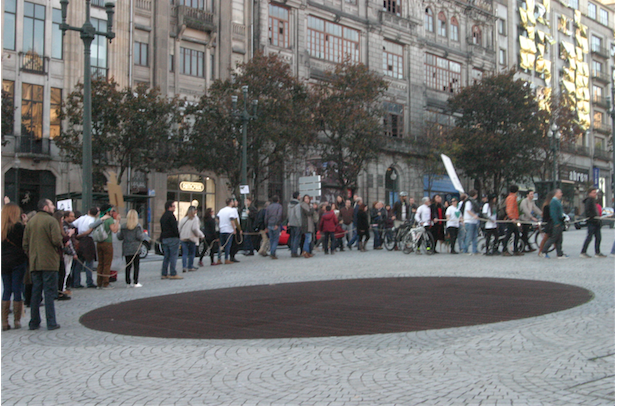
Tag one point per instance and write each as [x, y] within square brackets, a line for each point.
[440, 184]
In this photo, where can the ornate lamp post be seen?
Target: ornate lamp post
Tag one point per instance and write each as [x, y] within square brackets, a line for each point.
[88, 34]
[246, 117]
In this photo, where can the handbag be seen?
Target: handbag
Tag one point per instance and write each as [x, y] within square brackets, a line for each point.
[100, 234]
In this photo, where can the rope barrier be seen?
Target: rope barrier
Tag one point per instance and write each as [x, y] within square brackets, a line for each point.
[96, 271]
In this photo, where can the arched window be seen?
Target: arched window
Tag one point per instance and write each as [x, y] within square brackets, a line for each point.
[443, 23]
[476, 34]
[428, 20]
[454, 29]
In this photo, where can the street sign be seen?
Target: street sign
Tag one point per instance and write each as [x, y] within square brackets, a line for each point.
[244, 189]
[310, 185]
[66, 205]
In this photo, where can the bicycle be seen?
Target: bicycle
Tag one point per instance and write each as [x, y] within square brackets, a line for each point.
[419, 240]
[394, 237]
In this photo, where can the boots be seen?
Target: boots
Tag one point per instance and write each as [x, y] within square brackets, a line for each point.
[6, 305]
[363, 246]
[18, 311]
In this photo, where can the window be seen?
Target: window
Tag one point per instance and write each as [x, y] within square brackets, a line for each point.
[596, 44]
[501, 26]
[56, 34]
[141, 54]
[442, 29]
[393, 60]
[34, 36]
[428, 20]
[198, 4]
[98, 49]
[603, 17]
[192, 62]
[54, 109]
[31, 110]
[392, 6]
[597, 94]
[599, 143]
[591, 10]
[393, 120]
[476, 35]
[278, 26]
[8, 96]
[574, 4]
[442, 74]
[98, 3]
[596, 66]
[331, 41]
[598, 119]
[10, 10]
[454, 29]
[502, 57]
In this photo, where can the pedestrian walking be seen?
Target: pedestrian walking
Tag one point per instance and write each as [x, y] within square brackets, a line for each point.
[556, 212]
[42, 243]
[170, 239]
[189, 229]
[529, 212]
[249, 215]
[264, 246]
[378, 218]
[347, 222]
[273, 219]
[512, 227]
[363, 226]
[453, 222]
[14, 264]
[594, 224]
[461, 231]
[547, 223]
[132, 236]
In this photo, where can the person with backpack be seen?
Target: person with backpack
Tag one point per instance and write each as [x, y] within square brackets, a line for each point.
[556, 215]
[512, 227]
[472, 222]
[104, 247]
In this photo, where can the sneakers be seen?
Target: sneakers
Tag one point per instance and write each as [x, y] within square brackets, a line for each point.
[216, 263]
[564, 256]
[201, 263]
[108, 287]
[600, 255]
[175, 277]
[138, 285]
[584, 255]
[130, 285]
[546, 256]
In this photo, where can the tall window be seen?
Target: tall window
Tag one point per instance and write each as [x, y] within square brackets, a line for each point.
[596, 44]
[591, 10]
[32, 110]
[278, 26]
[34, 36]
[428, 20]
[442, 29]
[56, 34]
[98, 49]
[502, 57]
[442, 74]
[501, 26]
[331, 41]
[597, 94]
[141, 54]
[393, 120]
[603, 17]
[192, 62]
[198, 4]
[8, 92]
[476, 35]
[596, 66]
[454, 29]
[10, 10]
[54, 109]
[392, 6]
[393, 60]
[598, 119]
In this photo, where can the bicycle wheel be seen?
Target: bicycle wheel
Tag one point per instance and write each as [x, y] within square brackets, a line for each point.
[409, 244]
[388, 240]
[538, 240]
[427, 244]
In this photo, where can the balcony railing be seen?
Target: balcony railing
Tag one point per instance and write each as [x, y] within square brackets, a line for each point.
[575, 149]
[194, 18]
[33, 62]
[602, 128]
[27, 144]
[600, 101]
[602, 154]
[600, 51]
[601, 76]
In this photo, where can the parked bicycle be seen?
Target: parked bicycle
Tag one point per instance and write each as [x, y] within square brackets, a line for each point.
[420, 241]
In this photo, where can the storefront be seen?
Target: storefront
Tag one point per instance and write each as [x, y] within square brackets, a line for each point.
[191, 190]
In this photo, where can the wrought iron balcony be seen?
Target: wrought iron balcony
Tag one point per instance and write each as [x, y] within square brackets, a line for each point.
[33, 62]
[600, 76]
[28, 144]
[600, 51]
[601, 101]
[195, 18]
[602, 128]
[603, 154]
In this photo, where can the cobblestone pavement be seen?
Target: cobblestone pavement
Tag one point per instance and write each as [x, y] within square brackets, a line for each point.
[564, 358]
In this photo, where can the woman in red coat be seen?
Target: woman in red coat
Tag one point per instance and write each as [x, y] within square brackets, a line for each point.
[327, 226]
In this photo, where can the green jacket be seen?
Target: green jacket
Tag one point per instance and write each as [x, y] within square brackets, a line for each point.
[42, 242]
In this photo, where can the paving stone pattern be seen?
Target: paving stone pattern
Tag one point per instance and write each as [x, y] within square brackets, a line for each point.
[562, 358]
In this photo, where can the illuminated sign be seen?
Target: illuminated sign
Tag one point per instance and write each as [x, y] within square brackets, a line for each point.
[192, 186]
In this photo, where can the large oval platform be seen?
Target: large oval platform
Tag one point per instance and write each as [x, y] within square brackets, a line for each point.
[335, 308]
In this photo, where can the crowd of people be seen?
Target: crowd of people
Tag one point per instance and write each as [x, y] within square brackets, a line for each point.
[44, 253]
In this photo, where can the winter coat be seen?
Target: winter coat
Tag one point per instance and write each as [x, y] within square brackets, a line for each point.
[274, 215]
[308, 224]
[294, 213]
[210, 230]
[131, 239]
[591, 211]
[363, 224]
[378, 216]
[328, 222]
[12, 251]
[43, 242]
[189, 229]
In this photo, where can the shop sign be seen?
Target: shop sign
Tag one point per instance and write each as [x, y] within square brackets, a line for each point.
[192, 186]
[580, 177]
[596, 177]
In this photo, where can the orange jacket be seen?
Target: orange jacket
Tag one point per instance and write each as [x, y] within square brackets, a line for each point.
[512, 206]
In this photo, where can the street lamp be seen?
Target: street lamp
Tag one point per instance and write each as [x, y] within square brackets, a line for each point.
[555, 137]
[245, 116]
[88, 34]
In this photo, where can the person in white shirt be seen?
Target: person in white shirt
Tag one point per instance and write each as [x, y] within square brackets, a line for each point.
[423, 215]
[453, 217]
[470, 215]
[86, 254]
[490, 214]
[227, 227]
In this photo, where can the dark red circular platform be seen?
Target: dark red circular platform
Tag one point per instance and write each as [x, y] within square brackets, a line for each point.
[335, 308]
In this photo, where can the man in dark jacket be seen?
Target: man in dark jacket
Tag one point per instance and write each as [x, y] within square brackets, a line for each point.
[594, 224]
[170, 238]
[43, 243]
[249, 215]
[294, 224]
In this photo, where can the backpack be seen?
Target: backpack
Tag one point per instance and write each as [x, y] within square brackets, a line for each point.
[100, 234]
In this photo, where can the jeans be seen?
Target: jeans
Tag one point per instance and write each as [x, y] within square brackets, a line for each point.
[593, 230]
[376, 237]
[14, 283]
[274, 238]
[462, 243]
[354, 238]
[349, 234]
[87, 267]
[294, 239]
[43, 281]
[326, 238]
[307, 242]
[225, 240]
[188, 254]
[471, 237]
[555, 238]
[127, 269]
[170, 255]
[511, 228]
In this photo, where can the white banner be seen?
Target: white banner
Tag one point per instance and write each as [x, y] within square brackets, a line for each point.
[452, 173]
